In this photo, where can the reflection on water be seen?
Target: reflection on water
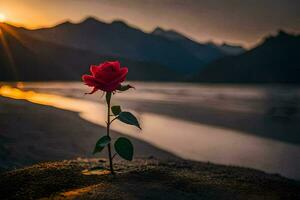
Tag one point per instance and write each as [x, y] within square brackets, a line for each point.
[185, 138]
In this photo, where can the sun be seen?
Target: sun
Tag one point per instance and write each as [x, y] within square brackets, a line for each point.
[2, 17]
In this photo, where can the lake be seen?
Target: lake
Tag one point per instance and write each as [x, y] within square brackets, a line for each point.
[250, 125]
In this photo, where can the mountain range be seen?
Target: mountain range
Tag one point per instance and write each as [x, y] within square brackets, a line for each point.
[275, 60]
[65, 51]
[24, 58]
[207, 52]
[121, 40]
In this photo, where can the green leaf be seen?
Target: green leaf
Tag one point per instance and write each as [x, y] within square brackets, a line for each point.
[101, 143]
[124, 148]
[124, 87]
[108, 97]
[116, 110]
[128, 118]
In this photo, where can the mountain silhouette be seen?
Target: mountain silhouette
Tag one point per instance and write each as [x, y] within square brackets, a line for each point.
[228, 48]
[49, 54]
[23, 58]
[205, 52]
[276, 60]
[121, 40]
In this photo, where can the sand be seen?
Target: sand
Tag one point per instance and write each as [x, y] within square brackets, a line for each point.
[32, 134]
[144, 179]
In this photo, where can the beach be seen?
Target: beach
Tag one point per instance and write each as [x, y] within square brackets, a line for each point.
[33, 133]
[47, 140]
[248, 126]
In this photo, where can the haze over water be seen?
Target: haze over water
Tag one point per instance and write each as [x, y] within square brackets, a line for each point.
[250, 126]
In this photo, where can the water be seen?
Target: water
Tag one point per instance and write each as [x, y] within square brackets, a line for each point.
[251, 126]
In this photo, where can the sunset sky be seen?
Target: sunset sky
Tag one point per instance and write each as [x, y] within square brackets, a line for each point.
[233, 21]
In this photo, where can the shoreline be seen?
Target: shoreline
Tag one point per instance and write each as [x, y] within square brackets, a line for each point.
[34, 133]
[201, 138]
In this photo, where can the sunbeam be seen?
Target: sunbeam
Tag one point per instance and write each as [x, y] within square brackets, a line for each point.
[8, 53]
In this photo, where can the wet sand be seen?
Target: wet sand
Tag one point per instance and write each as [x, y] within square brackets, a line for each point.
[31, 133]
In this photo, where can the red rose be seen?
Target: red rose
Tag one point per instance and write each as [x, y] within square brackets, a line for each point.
[106, 77]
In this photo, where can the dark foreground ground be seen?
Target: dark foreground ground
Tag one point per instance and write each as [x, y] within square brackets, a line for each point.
[144, 179]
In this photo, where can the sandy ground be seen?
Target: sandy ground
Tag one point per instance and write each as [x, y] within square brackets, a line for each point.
[31, 133]
[144, 179]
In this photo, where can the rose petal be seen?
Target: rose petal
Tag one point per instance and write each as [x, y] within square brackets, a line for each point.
[106, 77]
[94, 69]
[116, 65]
[113, 66]
[111, 87]
[94, 90]
[89, 80]
[123, 73]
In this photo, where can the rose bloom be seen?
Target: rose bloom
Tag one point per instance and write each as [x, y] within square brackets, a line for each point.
[107, 76]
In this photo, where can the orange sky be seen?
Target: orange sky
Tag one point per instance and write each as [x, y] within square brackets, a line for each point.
[234, 21]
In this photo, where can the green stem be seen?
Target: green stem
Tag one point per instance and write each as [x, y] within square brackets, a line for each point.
[113, 120]
[108, 97]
